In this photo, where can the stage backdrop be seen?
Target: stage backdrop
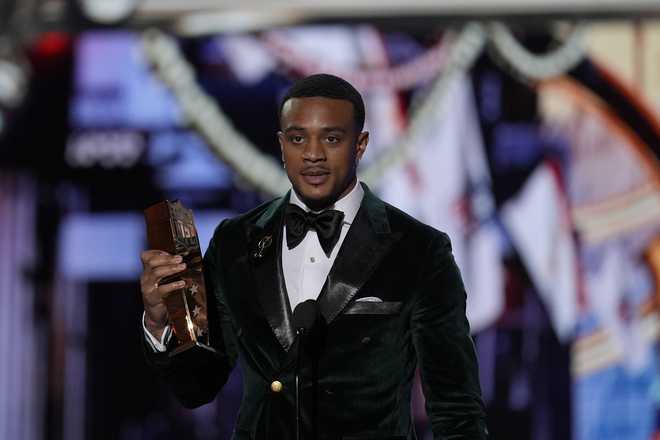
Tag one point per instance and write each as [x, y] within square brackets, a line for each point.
[547, 186]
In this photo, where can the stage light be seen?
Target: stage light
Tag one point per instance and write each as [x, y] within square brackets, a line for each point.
[14, 72]
[12, 84]
[108, 11]
[52, 45]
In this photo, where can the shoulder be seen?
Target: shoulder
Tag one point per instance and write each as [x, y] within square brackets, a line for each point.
[414, 229]
[250, 217]
[235, 228]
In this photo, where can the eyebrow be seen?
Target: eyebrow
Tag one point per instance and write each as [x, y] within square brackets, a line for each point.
[326, 129]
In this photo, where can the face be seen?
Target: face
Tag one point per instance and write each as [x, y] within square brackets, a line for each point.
[320, 148]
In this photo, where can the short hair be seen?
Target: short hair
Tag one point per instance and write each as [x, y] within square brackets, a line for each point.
[327, 86]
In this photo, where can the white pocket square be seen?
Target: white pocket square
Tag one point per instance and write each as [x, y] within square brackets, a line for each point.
[373, 299]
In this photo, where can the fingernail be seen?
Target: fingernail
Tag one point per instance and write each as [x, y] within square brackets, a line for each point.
[181, 283]
[182, 266]
[178, 259]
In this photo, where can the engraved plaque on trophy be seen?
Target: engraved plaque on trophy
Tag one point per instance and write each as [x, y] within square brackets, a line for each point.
[170, 228]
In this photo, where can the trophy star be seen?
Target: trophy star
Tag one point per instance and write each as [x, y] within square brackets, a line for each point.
[194, 288]
[196, 311]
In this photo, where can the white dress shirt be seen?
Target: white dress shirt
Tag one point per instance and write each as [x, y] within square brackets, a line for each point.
[305, 267]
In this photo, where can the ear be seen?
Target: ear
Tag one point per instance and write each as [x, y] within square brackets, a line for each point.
[280, 140]
[361, 144]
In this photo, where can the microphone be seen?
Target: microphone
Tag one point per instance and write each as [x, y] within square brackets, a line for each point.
[305, 317]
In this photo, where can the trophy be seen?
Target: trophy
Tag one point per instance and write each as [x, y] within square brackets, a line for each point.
[170, 228]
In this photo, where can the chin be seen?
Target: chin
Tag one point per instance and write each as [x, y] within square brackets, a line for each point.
[314, 197]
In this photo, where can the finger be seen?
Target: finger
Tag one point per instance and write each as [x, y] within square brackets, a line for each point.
[151, 253]
[150, 256]
[160, 272]
[164, 289]
[150, 281]
[152, 276]
[148, 286]
[162, 260]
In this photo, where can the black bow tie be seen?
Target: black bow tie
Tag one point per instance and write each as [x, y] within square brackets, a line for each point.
[327, 225]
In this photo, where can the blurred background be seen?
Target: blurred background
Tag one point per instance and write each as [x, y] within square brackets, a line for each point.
[527, 130]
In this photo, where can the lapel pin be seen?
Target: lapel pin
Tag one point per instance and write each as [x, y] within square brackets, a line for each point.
[263, 244]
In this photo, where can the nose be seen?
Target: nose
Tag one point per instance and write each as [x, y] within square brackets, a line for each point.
[314, 151]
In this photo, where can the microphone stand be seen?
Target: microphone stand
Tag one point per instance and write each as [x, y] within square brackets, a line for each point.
[301, 333]
[305, 316]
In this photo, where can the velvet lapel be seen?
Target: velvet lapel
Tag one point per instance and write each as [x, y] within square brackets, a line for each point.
[265, 241]
[367, 242]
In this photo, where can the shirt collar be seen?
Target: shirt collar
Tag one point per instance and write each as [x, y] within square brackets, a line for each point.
[349, 204]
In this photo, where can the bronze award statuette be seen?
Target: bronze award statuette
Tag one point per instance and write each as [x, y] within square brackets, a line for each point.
[170, 228]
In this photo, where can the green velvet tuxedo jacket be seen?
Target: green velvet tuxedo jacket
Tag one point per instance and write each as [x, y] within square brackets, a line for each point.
[357, 382]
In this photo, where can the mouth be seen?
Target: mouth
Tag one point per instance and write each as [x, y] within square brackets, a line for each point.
[315, 176]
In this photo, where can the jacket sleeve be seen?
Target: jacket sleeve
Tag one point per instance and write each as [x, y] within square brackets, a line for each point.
[195, 376]
[445, 350]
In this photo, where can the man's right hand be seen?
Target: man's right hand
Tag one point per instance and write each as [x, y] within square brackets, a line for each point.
[158, 265]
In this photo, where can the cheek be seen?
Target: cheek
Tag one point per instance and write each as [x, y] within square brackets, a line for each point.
[290, 157]
[344, 162]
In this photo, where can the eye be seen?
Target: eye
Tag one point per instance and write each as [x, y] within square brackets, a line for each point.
[296, 139]
[333, 139]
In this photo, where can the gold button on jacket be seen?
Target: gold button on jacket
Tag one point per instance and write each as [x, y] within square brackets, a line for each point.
[276, 386]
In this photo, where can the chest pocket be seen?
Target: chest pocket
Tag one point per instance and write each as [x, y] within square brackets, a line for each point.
[373, 308]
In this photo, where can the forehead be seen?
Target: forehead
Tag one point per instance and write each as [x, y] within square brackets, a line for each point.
[317, 112]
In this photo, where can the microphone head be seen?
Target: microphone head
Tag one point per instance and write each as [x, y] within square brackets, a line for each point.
[305, 315]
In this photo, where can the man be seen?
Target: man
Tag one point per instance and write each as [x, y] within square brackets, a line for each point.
[389, 292]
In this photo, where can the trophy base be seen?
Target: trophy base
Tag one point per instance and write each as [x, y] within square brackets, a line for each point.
[187, 346]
